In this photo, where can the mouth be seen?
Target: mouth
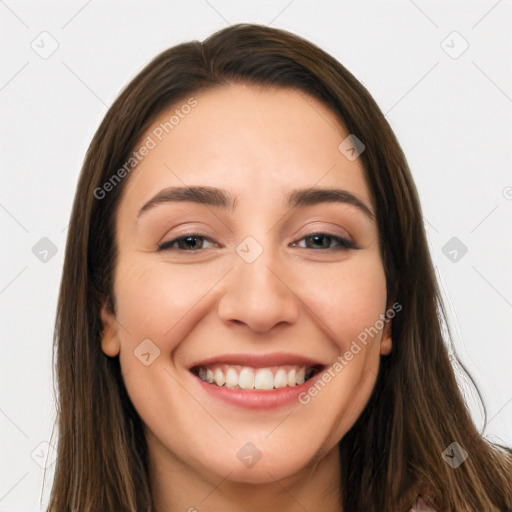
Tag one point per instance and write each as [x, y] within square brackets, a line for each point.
[257, 381]
[251, 378]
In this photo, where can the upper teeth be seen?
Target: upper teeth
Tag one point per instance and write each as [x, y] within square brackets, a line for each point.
[245, 377]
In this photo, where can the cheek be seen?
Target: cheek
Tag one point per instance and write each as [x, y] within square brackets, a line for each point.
[158, 300]
[348, 297]
[350, 300]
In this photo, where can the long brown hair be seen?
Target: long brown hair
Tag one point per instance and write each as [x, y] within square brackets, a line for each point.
[416, 410]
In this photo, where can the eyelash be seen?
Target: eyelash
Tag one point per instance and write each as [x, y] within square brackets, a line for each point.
[344, 244]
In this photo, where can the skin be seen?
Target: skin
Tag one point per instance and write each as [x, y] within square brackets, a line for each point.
[258, 143]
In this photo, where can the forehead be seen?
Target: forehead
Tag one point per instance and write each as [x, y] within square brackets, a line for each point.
[256, 141]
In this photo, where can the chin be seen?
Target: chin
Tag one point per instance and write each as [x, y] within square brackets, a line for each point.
[267, 469]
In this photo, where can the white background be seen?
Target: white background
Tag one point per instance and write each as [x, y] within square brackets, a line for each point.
[452, 117]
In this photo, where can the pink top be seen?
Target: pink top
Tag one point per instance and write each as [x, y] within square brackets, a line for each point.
[421, 506]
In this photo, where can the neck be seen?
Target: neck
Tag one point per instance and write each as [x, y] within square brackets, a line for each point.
[177, 486]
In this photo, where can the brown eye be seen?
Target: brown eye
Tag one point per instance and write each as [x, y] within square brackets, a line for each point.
[190, 243]
[325, 241]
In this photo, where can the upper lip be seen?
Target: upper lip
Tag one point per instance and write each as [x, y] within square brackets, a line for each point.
[259, 360]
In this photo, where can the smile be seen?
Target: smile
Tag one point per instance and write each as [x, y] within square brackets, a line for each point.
[256, 381]
[249, 378]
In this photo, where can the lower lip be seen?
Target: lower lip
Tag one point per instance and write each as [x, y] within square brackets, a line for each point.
[258, 399]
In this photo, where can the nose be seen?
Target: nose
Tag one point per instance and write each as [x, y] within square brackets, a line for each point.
[260, 294]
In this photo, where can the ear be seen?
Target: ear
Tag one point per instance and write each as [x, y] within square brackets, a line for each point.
[386, 343]
[110, 343]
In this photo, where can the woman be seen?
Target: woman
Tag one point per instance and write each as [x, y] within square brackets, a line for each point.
[248, 317]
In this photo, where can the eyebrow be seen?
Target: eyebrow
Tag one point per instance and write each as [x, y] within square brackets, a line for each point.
[223, 199]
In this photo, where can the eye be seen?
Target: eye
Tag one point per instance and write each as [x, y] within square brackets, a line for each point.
[185, 243]
[190, 243]
[324, 241]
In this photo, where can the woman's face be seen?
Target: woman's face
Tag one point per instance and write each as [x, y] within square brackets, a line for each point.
[259, 293]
